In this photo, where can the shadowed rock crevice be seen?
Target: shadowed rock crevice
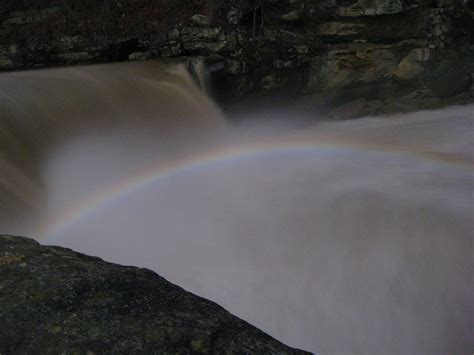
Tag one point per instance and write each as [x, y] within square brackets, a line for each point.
[55, 300]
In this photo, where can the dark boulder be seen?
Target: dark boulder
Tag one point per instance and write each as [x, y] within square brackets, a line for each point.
[54, 300]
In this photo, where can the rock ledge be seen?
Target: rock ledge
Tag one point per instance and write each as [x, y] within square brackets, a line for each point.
[55, 300]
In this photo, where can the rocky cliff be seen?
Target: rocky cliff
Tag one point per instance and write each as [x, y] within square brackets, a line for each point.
[54, 300]
[365, 56]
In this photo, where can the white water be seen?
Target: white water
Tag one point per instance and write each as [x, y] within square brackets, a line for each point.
[362, 244]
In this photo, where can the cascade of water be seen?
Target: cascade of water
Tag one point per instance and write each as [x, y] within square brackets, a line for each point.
[337, 237]
[156, 108]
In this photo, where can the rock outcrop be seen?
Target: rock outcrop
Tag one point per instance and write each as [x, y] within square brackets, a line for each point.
[396, 55]
[54, 300]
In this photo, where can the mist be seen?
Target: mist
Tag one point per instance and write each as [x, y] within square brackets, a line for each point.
[349, 236]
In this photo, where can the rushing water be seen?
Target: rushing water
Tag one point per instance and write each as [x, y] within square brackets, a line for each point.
[331, 236]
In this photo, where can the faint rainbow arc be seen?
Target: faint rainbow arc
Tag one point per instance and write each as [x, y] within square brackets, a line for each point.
[188, 163]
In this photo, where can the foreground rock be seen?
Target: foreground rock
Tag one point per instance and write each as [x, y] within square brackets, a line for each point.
[56, 300]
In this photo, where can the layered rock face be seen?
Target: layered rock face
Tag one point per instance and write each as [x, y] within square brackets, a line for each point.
[372, 55]
[55, 300]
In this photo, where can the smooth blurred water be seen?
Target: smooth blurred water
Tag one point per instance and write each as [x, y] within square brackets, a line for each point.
[336, 237]
[140, 112]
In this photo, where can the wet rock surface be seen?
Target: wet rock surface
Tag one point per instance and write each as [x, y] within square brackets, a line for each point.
[333, 52]
[55, 300]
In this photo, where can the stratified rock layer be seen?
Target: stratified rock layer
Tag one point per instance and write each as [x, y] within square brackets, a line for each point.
[54, 300]
[396, 55]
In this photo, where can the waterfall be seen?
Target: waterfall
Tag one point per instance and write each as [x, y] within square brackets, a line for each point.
[337, 237]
